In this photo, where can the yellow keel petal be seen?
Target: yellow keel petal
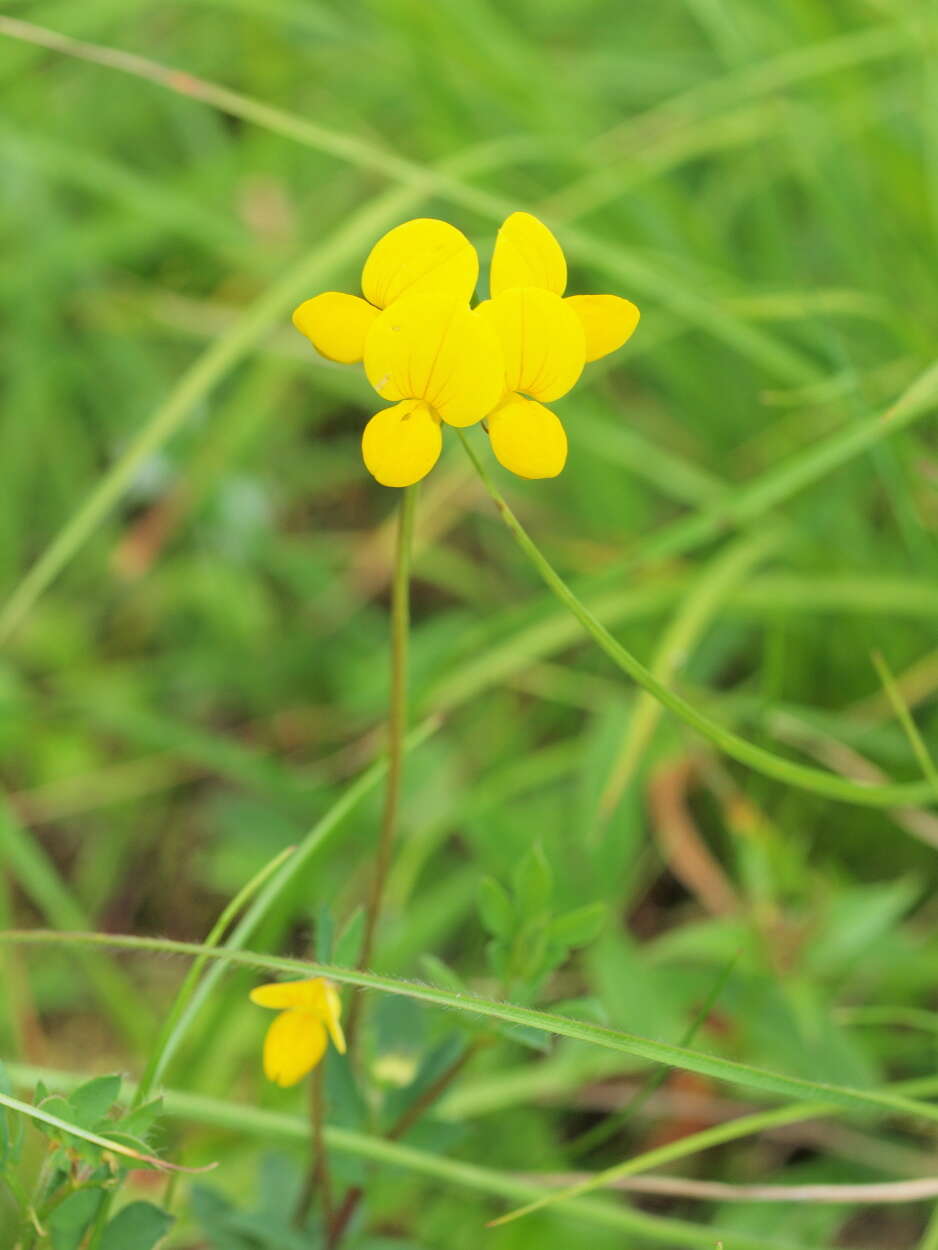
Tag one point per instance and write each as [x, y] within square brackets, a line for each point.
[401, 445]
[294, 1044]
[527, 254]
[419, 256]
[431, 347]
[336, 324]
[607, 321]
[527, 438]
[541, 338]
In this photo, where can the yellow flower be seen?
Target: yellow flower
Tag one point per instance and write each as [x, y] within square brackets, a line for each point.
[441, 362]
[297, 1039]
[421, 345]
[546, 340]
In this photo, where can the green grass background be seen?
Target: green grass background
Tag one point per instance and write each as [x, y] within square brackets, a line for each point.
[208, 672]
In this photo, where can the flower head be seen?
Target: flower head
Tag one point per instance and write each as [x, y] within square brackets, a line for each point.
[310, 1013]
[421, 345]
[440, 361]
[546, 341]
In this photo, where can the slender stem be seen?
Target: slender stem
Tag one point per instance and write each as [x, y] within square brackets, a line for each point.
[318, 1177]
[397, 724]
[402, 1125]
[803, 777]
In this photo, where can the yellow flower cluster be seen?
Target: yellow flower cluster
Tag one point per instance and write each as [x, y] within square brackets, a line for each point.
[438, 360]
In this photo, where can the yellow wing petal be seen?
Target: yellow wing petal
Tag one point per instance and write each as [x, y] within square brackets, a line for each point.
[401, 445]
[333, 1015]
[527, 254]
[527, 438]
[420, 255]
[607, 321]
[336, 324]
[431, 347]
[542, 341]
[294, 1044]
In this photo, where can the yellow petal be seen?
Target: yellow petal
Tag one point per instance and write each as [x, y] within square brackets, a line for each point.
[431, 347]
[527, 254]
[527, 438]
[420, 255]
[332, 1017]
[311, 995]
[336, 324]
[401, 445]
[542, 341]
[293, 1046]
[607, 321]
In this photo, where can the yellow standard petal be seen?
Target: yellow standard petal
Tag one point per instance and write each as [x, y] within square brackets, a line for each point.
[542, 341]
[607, 321]
[401, 445]
[527, 254]
[527, 438]
[312, 994]
[419, 256]
[294, 1044]
[432, 347]
[336, 324]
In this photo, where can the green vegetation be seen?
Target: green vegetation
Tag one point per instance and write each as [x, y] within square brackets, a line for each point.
[659, 926]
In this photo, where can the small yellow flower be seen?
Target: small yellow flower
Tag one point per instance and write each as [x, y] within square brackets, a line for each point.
[420, 343]
[310, 1013]
[546, 340]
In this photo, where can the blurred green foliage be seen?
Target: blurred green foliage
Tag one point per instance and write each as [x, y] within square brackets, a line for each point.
[206, 676]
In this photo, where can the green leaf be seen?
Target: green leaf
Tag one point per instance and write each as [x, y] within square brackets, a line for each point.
[70, 1220]
[139, 1122]
[138, 1227]
[495, 908]
[94, 1099]
[580, 926]
[533, 882]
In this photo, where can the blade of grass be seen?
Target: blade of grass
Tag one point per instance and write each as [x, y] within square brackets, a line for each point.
[73, 1130]
[730, 1070]
[187, 989]
[38, 878]
[237, 1117]
[271, 891]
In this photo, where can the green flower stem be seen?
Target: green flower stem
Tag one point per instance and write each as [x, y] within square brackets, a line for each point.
[397, 725]
[802, 776]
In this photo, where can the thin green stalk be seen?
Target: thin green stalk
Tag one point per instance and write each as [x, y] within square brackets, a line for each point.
[397, 724]
[905, 719]
[802, 776]
[702, 601]
[187, 989]
[744, 1075]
